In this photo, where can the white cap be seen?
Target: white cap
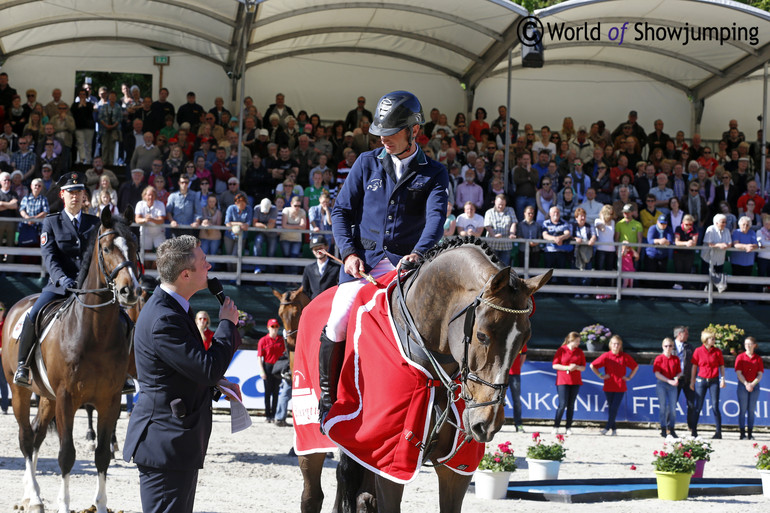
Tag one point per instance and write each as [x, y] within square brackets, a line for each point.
[264, 205]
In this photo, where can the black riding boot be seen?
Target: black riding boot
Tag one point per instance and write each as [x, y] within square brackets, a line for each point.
[26, 348]
[743, 434]
[330, 356]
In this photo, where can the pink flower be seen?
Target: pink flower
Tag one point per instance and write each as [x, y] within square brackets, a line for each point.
[535, 435]
[755, 445]
[633, 467]
[687, 454]
[560, 438]
[663, 454]
[498, 459]
[655, 453]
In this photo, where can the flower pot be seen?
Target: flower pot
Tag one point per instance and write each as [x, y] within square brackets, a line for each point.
[765, 475]
[490, 484]
[595, 346]
[540, 470]
[699, 466]
[673, 486]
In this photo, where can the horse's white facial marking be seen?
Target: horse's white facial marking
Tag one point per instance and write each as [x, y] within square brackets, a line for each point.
[121, 243]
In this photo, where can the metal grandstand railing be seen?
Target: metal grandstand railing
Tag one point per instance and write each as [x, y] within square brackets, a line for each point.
[703, 288]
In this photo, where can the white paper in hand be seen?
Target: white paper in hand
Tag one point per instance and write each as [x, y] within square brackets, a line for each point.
[239, 416]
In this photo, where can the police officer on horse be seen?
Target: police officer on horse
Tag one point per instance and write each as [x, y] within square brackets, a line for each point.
[63, 243]
[391, 209]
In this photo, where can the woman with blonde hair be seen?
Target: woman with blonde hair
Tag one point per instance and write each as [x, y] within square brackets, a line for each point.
[202, 321]
[568, 362]
[709, 367]
[668, 369]
[614, 362]
[568, 129]
[606, 254]
[748, 369]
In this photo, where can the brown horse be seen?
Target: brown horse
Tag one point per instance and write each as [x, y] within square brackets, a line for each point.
[467, 319]
[85, 354]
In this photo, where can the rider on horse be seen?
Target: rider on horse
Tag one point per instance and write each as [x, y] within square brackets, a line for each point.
[63, 243]
[391, 208]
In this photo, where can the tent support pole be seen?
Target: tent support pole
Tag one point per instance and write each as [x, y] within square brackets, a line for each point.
[763, 142]
[507, 136]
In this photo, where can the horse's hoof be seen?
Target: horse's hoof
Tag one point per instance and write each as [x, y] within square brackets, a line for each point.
[37, 508]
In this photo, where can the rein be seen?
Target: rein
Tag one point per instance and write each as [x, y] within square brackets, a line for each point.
[109, 278]
[450, 384]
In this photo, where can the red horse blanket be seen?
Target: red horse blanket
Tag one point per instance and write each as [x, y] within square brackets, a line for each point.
[384, 401]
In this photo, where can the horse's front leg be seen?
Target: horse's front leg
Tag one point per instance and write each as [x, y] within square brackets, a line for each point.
[389, 495]
[311, 466]
[30, 500]
[65, 417]
[451, 489]
[105, 426]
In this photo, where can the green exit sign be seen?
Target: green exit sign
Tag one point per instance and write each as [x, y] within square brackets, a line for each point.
[161, 60]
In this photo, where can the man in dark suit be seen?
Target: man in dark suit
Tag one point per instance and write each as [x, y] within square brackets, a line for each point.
[323, 273]
[63, 242]
[354, 117]
[684, 351]
[170, 426]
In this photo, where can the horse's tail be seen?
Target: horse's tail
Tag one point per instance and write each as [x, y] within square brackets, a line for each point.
[355, 487]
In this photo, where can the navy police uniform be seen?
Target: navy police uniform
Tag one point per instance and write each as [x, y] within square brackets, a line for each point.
[170, 426]
[376, 215]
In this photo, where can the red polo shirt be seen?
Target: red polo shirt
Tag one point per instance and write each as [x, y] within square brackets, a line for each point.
[708, 362]
[564, 356]
[749, 366]
[669, 367]
[615, 366]
[270, 348]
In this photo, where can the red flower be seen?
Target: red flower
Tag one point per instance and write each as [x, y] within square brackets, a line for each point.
[655, 453]
[535, 435]
[498, 459]
[755, 445]
[764, 448]
[560, 438]
[633, 467]
[663, 454]
[687, 454]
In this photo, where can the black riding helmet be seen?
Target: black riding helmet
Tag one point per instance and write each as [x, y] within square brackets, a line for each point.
[396, 111]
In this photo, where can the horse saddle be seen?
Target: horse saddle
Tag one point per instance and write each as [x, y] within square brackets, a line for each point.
[50, 312]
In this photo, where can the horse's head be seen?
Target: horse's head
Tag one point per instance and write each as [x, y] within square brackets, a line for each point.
[493, 341]
[117, 256]
[292, 304]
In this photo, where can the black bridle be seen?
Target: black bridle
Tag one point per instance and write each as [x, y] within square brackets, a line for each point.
[109, 278]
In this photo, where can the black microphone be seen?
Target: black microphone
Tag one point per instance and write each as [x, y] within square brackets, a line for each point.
[215, 287]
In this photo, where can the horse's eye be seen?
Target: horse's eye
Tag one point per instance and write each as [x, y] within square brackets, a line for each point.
[482, 337]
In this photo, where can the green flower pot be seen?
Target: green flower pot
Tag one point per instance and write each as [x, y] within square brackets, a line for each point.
[673, 486]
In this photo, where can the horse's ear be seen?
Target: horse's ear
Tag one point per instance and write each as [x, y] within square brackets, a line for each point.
[297, 292]
[129, 214]
[106, 218]
[533, 284]
[500, 280]
[278, 295]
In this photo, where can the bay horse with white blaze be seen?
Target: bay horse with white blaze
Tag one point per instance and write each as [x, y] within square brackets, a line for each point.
[463, 319]
[85, 354]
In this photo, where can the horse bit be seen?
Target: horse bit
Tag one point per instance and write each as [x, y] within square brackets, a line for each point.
[109, 278]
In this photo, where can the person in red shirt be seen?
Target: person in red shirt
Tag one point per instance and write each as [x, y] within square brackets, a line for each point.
[668, 369]
[709, 366]
[514, 385]
[748, 369]
[614, 362]
[269, 349]
[568, 362]
[708, 162]
[202, 321]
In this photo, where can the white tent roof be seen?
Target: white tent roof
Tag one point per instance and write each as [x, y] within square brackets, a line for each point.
[323, 53]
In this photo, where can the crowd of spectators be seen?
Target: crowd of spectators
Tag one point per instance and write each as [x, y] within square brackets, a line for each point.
[581, 190]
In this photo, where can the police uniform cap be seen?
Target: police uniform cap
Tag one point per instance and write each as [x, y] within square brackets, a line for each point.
[72, 181]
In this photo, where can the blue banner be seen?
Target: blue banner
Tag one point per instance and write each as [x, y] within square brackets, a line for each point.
[539, 399]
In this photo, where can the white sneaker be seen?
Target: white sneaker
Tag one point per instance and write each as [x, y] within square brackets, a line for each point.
[603, 432]
[554, 431]
[677, 286]
[614, 432]
[568, 431]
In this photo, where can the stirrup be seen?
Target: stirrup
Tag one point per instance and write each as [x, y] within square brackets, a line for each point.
[128, 387]
[21, 377]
